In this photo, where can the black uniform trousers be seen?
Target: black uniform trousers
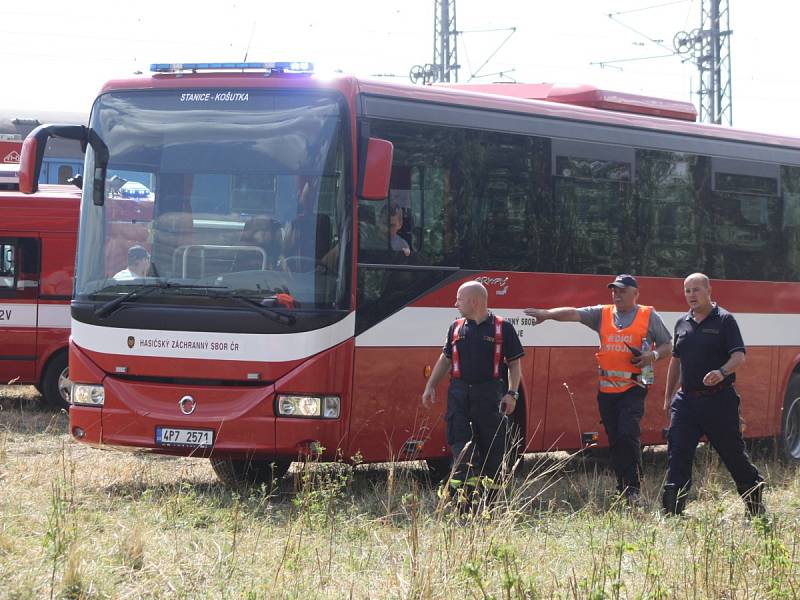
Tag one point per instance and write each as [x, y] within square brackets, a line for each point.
[715, 415]
[473, 415]
[621, 415]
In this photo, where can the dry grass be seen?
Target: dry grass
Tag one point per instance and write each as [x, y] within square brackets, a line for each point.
[82, 523]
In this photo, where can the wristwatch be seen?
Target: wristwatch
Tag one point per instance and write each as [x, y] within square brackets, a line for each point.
[723, 371]
[513, 394]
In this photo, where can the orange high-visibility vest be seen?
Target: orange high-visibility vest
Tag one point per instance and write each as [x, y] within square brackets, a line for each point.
[617, 373]
[455, 369]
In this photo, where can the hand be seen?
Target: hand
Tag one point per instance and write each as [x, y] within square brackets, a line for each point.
[713, 377]
[646, 358]
[537, 313]
[508, 404]
[428, 397]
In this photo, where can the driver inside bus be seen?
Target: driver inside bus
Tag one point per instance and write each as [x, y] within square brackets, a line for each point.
[138, 264]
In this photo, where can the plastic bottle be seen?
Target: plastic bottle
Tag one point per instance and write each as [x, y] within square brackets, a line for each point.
[648, 375]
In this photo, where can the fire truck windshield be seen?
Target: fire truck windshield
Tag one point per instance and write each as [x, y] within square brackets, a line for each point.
[223, 195]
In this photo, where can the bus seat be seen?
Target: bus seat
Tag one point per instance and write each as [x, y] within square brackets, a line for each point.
[170, 231]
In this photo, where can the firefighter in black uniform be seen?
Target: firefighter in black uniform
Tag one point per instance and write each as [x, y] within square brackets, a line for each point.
[708, 350]
[477, 401]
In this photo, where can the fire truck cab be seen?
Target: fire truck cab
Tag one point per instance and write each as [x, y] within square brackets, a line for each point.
[37, 259]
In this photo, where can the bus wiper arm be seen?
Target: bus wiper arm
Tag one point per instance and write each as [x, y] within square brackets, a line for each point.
[140, 291]
[256, 305]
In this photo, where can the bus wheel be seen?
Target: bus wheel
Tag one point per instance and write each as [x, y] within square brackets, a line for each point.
[438, 468]
[55, 384]
[790, 430]
[249, 471]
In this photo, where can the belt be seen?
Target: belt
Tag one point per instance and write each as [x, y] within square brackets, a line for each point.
[709, 391]
[476, 383]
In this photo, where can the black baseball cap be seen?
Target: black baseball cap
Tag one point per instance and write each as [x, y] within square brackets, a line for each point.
[624, 280]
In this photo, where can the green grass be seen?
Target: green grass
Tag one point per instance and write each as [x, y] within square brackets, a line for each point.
[82, 523]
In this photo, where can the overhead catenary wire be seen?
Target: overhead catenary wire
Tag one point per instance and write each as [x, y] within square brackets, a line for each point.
[633, 10]
[512, 31]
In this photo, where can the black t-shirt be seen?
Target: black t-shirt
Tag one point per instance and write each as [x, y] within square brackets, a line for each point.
[476, 348]
[706, 346]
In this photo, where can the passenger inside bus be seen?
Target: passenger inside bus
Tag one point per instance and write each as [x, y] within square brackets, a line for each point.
[264, 233]
[387, 233]
[397, 242]
[138, 264]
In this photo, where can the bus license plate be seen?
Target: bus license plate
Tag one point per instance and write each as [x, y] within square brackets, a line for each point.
[172, 436]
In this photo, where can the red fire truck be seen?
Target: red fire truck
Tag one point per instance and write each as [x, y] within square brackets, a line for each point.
[38, 236]
[297, 242]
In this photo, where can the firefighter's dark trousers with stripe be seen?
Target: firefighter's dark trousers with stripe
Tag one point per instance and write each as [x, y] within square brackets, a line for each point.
[477, 431]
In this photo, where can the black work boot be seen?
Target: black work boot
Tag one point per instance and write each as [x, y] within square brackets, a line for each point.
[673, 499]
[753, 498]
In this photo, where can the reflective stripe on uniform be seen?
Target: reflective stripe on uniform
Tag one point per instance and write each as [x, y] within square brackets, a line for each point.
[456, 367]
[498, 347]
[618, 385]
[626, 374]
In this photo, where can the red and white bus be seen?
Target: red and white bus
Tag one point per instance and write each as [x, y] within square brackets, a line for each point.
[38, 236]
[293, 305]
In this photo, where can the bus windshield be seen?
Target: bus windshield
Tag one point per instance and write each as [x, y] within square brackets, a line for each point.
[213, 195]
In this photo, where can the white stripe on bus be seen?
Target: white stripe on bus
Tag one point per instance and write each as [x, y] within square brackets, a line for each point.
[427, 327]
[54, 315]
[207, 345]
[19, 315]
[410, 327]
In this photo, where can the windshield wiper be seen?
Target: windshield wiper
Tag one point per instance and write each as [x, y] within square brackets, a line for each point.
[258, 306]
[140, 291]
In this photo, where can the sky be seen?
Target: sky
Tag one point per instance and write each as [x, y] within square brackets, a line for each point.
[56, 55]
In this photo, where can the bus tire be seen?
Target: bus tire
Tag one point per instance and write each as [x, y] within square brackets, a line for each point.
[249, 471]
[438, 468]
[790, 421]
[55, 384]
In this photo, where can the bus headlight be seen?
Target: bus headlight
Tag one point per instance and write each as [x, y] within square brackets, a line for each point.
[87, 395]
[325, 407]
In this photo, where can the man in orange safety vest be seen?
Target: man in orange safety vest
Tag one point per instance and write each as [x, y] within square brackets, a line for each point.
[632, 338]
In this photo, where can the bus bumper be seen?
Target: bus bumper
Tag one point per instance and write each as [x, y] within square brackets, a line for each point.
[241, 420]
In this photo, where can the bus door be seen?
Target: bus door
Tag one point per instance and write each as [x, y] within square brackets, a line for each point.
[19, 281]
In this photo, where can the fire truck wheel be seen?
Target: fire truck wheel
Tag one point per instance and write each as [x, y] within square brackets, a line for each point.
[790, 422]
[249, 472]
[55, 385]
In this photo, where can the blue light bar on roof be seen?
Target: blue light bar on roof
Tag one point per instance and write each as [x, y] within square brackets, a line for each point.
[284, 66]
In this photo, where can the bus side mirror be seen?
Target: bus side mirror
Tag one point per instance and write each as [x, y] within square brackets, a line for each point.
[30, 164]
[377, 169]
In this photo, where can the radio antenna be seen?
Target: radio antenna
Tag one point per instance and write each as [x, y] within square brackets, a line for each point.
[249, 41]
